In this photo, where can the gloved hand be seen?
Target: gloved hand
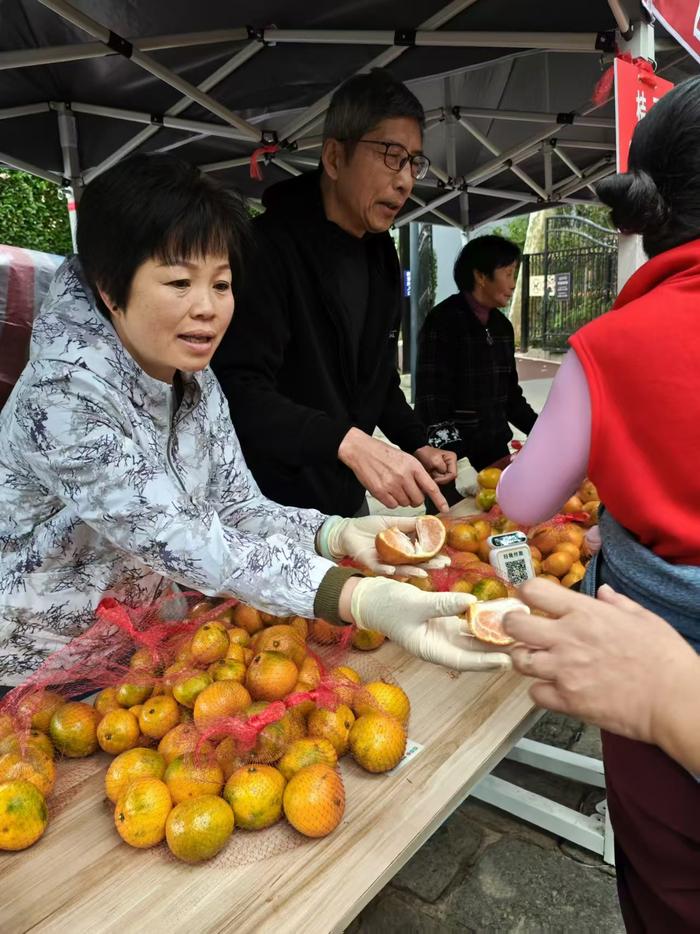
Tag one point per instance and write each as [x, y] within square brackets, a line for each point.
[354, 538]
[423, 623]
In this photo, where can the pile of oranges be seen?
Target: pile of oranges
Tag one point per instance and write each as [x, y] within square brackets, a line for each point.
[198, 749]
[559, 551]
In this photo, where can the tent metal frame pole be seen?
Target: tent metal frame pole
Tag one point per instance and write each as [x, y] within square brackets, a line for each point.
[529, 116]
[548, 181]
[427, 207]
[225, 164]
[590, 170]
[585, 144]
[81, 51]
[450, 139]
[504, 194]
[68, 138]
[149, 64]
[433, 38]
[9, 113]
[443, 217]
[496, 165]
[487, 144]
[173, 123]
[569, 163]
[444, 15]
[589, 179]
[235, 62]
[21, 165]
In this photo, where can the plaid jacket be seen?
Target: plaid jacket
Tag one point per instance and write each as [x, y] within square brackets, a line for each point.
[467, 388]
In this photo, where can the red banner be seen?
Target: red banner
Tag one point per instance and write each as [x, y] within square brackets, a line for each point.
[681, 18]
[637, 89]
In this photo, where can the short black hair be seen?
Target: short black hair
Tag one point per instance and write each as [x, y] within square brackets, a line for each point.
[363, 101]
[154, 207]
[486, 255]
[659, 196]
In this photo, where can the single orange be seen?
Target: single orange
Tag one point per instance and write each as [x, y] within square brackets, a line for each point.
[31, 766]
[314, 800]
[380, 697]
[142, 660]
[306, 751]
[248, 618]
[488, 478]
[73, 729]
[106, 700]
[118, 731]
[271, 676]
[301, 625]
[238, 636]
[182, 740]
[38, 708]
[135, 692]
[220, 699]
[131, 765]
[209, 643]
[463, 537]
[489, 588]
[377, 742]
[366, 640]
[333, 725]
[558, 563]
[23, 815]
[159, 715]
[228, 669]
[199, 828]
[141, 812]
[32, 739]
[485, 500]
[254, 793]
[189, 776]
[189, 686]
[284, 639]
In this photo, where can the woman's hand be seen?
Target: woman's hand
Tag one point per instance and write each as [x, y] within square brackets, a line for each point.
[608, 661]
[423, 623]
[354, 538]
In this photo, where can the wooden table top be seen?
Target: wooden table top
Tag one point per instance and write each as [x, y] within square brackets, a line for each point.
[80, 877]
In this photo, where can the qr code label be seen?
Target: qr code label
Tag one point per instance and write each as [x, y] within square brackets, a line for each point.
[517, 571]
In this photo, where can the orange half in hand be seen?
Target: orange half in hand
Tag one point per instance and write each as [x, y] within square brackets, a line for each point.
[485, 619]
[396, 547]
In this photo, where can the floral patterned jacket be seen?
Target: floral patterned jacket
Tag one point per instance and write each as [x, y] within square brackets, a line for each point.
[108, 487]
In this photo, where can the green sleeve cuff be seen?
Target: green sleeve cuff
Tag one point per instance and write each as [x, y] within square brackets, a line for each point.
[328, 594]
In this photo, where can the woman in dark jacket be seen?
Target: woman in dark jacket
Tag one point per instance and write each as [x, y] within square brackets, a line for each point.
[467, 389]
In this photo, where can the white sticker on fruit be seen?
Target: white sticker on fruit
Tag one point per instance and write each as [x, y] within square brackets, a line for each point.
[412, 750]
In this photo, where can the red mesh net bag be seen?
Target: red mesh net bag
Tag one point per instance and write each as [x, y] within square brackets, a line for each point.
[209, 699]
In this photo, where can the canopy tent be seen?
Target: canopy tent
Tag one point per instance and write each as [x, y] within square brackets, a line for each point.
[510, 122]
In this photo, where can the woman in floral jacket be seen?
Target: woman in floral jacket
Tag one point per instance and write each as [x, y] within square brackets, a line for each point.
[120, 472]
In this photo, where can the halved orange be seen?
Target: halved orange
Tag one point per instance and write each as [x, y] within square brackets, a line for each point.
[397, 547]
[485, 620]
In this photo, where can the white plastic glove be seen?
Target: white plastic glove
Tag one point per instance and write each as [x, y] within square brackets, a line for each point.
[354, 538]
[423, 623]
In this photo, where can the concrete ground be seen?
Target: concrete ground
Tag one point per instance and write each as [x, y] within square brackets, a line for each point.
[486, 872]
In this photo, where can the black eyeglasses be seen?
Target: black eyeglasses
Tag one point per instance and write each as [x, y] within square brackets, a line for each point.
[396, 156]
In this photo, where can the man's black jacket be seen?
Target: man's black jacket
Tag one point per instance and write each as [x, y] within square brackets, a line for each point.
[467, 388]
[287, 365]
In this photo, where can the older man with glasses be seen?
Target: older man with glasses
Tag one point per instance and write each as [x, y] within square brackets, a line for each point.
[309, 362]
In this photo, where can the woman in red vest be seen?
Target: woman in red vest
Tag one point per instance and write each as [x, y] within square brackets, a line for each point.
[625, 410]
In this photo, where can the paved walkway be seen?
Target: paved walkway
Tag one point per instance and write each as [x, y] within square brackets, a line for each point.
[486, 872]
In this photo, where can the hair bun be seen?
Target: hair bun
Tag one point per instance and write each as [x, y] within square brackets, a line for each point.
[636, 203]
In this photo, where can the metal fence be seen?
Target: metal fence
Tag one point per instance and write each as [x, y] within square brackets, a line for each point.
[562, 291]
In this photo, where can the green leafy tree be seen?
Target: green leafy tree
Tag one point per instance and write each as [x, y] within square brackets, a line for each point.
[33, 213]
